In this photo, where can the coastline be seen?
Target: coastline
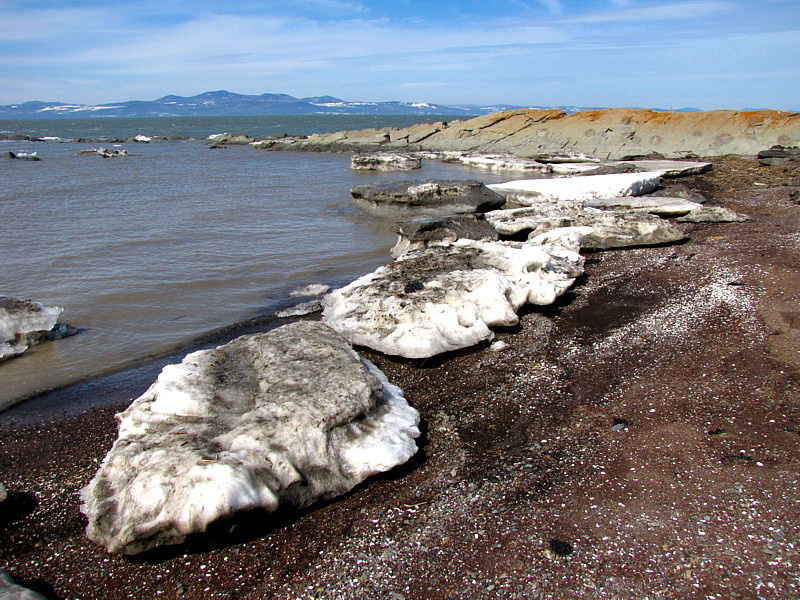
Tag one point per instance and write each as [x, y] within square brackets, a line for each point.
[692, 349]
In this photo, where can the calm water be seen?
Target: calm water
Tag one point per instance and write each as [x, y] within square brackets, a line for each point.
[149, 251]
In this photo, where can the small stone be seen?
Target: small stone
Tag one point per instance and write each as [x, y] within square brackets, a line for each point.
[560, 547]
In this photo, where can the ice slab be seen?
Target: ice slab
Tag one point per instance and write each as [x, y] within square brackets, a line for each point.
[447, 297]
[287, 417]
[531, 191]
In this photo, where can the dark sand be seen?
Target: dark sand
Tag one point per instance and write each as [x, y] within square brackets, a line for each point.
[524, 486]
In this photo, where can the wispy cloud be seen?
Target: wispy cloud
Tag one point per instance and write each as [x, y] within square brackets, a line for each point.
[671, 11]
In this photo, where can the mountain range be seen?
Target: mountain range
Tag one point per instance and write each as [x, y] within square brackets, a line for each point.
[224, 103]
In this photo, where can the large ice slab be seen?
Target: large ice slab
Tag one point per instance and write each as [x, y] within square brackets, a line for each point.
[447, 297]
[20, 320]
[531, 191]
[291, 416]
[663, 206]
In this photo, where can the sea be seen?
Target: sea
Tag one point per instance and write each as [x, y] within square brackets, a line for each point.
[176, 246]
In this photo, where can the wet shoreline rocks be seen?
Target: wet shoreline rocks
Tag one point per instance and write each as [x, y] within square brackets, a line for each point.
[288, 417]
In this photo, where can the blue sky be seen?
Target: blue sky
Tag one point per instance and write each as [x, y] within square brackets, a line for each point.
[656, 53]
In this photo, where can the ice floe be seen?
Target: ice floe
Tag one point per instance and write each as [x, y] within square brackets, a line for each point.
[531, 191]
[22, 322]
[287, 417]
[447, 297]
[385, 161]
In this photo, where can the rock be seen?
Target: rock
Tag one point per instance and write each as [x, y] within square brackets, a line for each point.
[3, 492]
[445, 196]
[445, 298]
[11, 591]
[20, 155]
[105, 152]
[531, 191]
[713, 214]
[229, 139]
[385, 161]
[435, 232]
[656, 205]
[670, 168]
[24, 322]
[288, 417]
[679, 191]
[298, 310]
[498, 346]
[610, 229]
[780, 152]
[773, 162]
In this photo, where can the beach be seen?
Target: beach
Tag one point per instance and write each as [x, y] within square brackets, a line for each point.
[637, 438]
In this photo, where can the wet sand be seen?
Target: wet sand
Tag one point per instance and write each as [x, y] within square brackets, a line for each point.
[640, 438]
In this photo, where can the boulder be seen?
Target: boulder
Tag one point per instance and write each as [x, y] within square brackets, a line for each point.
[385, 161]
[679, 191]
[25, 322]
[531, 191]
[20, 155]
[445, 298]
[610, 229]
[445, 196]
[229, 139]
[713, 214]
[288, 417]
[436, 232]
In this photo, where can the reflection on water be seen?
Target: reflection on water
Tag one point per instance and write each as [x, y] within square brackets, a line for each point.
[149, 251]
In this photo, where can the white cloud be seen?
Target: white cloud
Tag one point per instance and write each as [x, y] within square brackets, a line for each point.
[658, 12]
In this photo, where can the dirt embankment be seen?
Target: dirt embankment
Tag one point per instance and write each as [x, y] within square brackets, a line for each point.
[639, 439]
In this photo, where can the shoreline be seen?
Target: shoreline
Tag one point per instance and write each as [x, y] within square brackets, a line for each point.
[637, 438]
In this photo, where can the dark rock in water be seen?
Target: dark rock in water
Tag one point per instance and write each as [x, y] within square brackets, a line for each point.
[230, 139]
[422, 234]
[20, 155]
[288, 417]
[679, 191]
[18, 137]
[448, 196]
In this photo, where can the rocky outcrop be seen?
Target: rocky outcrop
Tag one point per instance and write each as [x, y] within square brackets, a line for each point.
[713, 214]
[446, 298]
[385, 161]
[613, 134]
[229, 139]
[289, 417]
[105, 152]
[25, 322]
[445, 196]
[418, 235]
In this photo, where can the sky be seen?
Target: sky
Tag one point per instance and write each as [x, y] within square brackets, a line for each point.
[707, 54]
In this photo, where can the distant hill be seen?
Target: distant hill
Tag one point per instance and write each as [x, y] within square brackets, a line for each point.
[228, 104]
[223, 103]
